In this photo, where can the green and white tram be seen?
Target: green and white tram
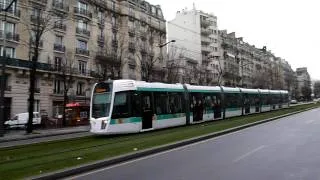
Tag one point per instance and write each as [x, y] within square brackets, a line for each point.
[128, 106]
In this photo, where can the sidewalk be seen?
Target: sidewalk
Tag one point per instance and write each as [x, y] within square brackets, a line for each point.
[19, 137]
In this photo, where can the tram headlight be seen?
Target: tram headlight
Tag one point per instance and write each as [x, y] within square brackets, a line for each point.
[103, 124]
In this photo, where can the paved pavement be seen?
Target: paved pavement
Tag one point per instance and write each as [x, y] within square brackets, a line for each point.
[19, 137]
[284, 149]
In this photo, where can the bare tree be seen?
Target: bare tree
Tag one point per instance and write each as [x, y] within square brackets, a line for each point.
[111, 59]
[146, 60]
[67, 72]
[40, 21]
[174, 65]
[316, 89]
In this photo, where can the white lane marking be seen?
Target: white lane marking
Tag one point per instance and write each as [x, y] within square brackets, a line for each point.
[249, 153]
[175, 149]
[310, 121]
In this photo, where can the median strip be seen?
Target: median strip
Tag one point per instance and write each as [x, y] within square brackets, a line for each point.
[37, 159]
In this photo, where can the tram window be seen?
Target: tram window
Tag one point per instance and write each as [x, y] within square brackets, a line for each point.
[264, 99]
[208, 102]
[121, 105]
[161, 103]
[232, 100]
[136, 104]
[175, 103]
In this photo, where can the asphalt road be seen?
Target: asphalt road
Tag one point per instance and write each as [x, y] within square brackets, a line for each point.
[279, 150]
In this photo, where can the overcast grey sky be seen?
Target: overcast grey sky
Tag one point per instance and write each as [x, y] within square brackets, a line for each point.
[289, 28]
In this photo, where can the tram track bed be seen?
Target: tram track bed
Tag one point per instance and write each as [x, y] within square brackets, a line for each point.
[36, 159]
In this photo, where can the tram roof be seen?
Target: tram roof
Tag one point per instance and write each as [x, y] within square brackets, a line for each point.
[264, 91]
[274, 91]
[284, 92]
[156, 86]
[205, 89]
[250, 91]
[230, 90]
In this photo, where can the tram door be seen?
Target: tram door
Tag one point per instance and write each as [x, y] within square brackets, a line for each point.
[146, 110]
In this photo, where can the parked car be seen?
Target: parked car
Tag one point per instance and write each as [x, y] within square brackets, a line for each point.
[21, 120]
[293, 101]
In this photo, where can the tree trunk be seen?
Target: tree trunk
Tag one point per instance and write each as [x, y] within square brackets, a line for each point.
[32, 90]
[65, 100]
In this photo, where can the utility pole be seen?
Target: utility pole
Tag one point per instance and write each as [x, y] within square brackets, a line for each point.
[3, 68]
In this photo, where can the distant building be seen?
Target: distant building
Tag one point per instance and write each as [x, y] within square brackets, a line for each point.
[196, 35]
[303, 83]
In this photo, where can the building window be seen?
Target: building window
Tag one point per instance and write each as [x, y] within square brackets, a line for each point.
[82, 67]
[58, 87]
[36, 12]
[82, 5]
[57, 63]
[59, 39]
[114, 36]
[5, 3]
[113, 21]
[82, 44]
[100, 15]
[7, 27]
[37, 85]
[36, 106]
[113, 5]
[10, 52]
[80, 89]
[82, 24]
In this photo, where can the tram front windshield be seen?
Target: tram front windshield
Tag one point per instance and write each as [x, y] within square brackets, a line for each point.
[101, 100]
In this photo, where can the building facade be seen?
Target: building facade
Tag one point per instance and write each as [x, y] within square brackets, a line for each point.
[82, 42]
[196, 35]
[303, 84]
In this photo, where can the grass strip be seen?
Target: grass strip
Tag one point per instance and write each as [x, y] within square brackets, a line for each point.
[29, 160]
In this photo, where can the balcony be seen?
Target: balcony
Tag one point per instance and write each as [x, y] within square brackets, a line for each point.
[13, 12]
[205, 40]
[143, 49]
[205, 32]
[84, 32]
[26, 64]
[101, 39]
[60, 26]
[115, 28]
[8, 88]
[33, 43]
[132, 32]
[83, 52]
[206, 48]
[40, 2]
[37, 90]
[101, 21]
[36, 20]
[58, 91]
[82, 12]
[59, 47]
[114, 43]
[60, 6]
[131, 16]
[204, 23]
[132, 47]
[82, 93]
[132, 63]
[10, 36]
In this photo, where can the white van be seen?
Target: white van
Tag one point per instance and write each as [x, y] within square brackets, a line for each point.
[21, 119]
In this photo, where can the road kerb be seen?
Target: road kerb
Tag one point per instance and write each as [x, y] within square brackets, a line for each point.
[116, 160]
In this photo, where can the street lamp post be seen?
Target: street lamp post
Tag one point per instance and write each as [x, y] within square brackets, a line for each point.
[164, 44]
[3, 69]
